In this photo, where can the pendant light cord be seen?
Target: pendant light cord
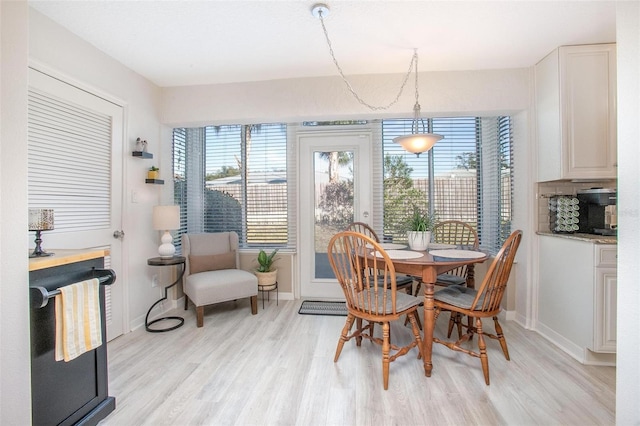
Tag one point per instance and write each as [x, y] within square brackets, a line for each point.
[414, 59]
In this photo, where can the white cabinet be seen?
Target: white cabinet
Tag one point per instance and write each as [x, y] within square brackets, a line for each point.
[577, 297]
[606, 284]
[575, 89]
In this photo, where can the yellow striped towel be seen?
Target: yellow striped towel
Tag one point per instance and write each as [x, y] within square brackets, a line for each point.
[78, 325]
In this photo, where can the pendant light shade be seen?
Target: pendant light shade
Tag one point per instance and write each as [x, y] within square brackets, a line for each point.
[418, 143]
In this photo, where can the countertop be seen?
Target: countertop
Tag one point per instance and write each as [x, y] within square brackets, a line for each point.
[592, 238]
[65, 257]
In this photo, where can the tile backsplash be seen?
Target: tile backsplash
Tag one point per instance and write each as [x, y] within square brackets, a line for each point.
[547, 189]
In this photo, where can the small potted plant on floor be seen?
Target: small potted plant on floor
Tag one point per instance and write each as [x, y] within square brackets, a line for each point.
[153, 173]
[266, 273]
[419, 227]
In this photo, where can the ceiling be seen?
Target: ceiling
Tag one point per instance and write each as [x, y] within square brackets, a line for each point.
[178, 43]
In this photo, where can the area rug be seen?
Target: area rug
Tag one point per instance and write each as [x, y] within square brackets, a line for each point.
[315, 307]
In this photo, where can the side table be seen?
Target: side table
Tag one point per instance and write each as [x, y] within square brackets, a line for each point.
[161, 261]
[268, 288]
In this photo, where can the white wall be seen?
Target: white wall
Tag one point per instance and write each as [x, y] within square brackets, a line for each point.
[326, 98]
[15, 387]
[57, 50]
[628, 372]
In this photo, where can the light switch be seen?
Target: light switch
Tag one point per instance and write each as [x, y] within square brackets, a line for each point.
[134, 196]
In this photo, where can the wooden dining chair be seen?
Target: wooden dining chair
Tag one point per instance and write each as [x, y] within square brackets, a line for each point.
[403, 282]
[464, 236]
[358, 261]
[482, 303]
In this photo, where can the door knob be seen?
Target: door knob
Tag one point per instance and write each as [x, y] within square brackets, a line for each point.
[118, 235]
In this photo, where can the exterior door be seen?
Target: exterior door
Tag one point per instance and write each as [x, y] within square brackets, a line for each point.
[335, 190]
[75, 168]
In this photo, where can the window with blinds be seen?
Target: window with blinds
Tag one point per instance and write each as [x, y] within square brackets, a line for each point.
[471, 173]
[234, 178]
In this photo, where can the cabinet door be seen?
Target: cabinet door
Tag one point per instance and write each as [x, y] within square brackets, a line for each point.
[588, 94]
[604, 333]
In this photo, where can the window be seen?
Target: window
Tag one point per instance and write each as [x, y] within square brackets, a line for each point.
[471, 173]
[234, 178]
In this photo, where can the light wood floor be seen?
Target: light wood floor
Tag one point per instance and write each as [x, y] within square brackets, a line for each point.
[276, 368]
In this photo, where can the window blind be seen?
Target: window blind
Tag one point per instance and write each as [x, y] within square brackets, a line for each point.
[471, 184]
[234, 178]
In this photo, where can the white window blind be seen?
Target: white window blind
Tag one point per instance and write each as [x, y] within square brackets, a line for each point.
[68, 146]
[497, 182]
[467, 186]
[234, 178]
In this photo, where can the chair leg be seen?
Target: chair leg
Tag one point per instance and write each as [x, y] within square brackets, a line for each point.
[415, 319]
[359, 327]
[455, 319]
[418, 286]
[343, 336]
[501, 339]
[406, 321]
[200, 316]
[186, 302]
[254, 305]
[386, 346]
[482, 347]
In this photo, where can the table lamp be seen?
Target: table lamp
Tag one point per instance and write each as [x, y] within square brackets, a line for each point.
[166, 218]
[40, 220]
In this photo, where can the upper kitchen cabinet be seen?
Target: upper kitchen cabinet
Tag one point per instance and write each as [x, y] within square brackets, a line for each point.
[575, 90]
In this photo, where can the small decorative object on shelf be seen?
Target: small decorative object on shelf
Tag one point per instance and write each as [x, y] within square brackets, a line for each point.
[153, 173]
[141, 149]
[40, 220]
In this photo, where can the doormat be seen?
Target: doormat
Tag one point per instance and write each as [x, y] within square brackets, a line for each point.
[315, 307]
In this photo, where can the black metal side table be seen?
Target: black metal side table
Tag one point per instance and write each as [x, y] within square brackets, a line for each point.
[160, 261]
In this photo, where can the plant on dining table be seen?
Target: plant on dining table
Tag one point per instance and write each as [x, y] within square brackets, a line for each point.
[419, 227]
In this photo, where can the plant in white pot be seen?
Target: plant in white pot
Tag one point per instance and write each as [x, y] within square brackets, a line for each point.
[267, 275]
[419, 229]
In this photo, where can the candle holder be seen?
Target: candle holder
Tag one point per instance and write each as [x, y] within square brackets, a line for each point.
[40, 220]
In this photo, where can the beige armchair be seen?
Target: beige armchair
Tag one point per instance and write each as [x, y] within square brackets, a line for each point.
[212, 274]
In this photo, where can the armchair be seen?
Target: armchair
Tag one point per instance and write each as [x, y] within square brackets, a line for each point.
[212, 274]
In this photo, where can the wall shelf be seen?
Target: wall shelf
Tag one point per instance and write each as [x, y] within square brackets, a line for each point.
[142, 154]
[155, 181]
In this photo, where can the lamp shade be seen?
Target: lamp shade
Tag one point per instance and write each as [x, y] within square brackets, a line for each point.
[40, 219]
[166, 217]
[417, 143]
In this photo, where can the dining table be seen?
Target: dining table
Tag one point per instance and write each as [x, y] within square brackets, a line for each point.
[427, 265]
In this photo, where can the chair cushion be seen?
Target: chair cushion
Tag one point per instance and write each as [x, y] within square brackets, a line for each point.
[450, 279]
[401, 281]
[403, 302]
[458, 295]
[206, 288]
[212, 262]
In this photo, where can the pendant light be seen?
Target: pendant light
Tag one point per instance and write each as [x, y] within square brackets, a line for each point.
[417, 142]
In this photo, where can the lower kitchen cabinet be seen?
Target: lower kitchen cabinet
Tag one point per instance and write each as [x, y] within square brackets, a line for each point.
[577, 297]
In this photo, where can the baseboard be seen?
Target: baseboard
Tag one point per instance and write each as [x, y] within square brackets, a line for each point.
[561, 342]
[580, 354]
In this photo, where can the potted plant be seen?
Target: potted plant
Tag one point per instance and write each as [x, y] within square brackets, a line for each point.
[267, 275]
[153, 173]
[419, 227]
